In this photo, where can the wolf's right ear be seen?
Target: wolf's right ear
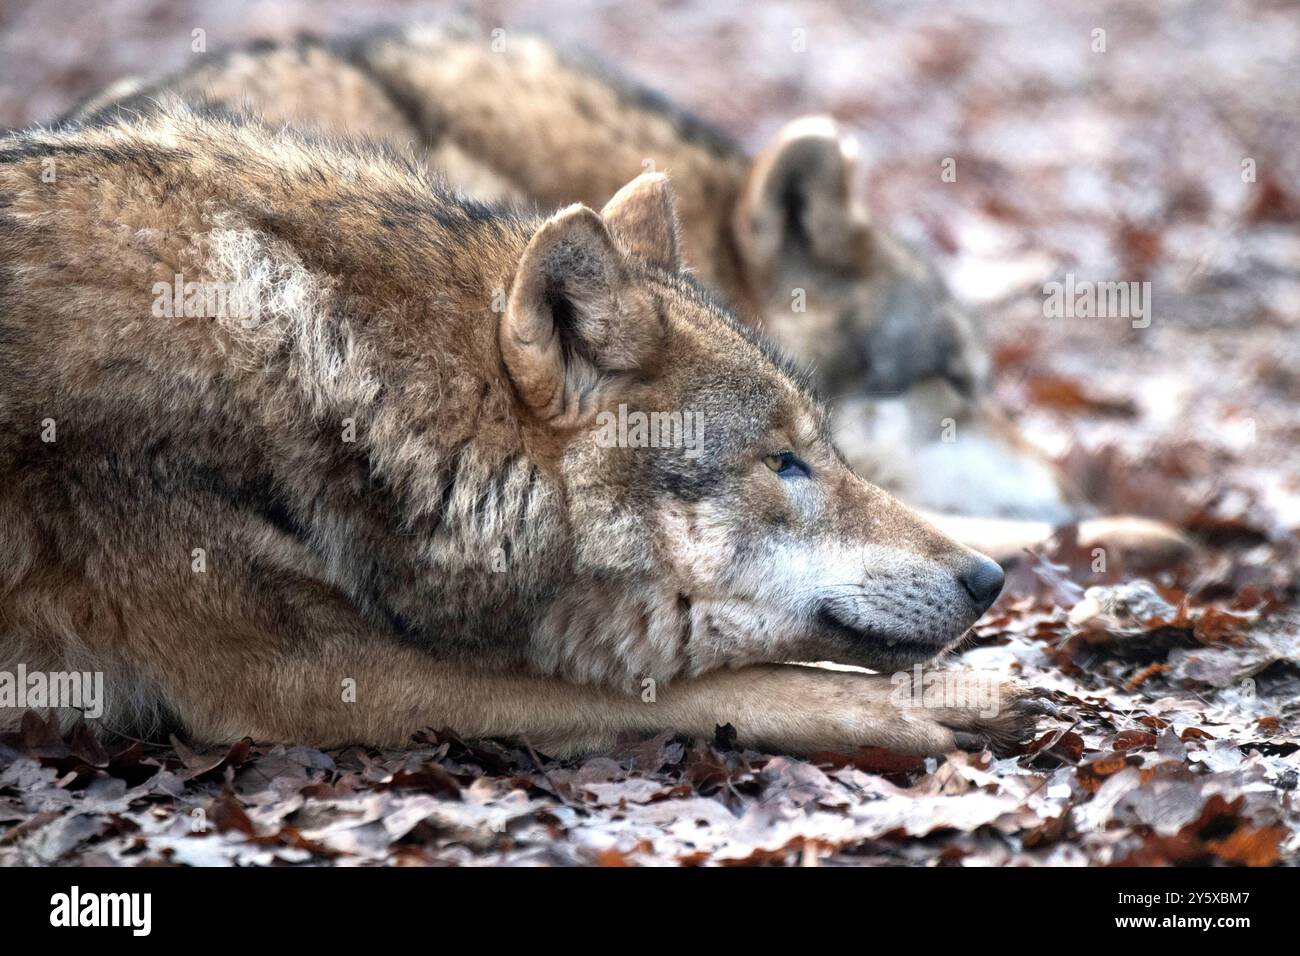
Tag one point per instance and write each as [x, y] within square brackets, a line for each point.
[643, 218]
[573, 318]
[799, 195]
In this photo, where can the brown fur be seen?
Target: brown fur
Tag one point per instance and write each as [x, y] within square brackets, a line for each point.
[513, 117]
[391, 471]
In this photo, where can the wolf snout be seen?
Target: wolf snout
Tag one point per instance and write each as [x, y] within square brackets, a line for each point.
[982, 580]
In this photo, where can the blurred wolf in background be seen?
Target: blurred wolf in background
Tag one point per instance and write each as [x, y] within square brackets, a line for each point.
[781, 236]
[362, 491]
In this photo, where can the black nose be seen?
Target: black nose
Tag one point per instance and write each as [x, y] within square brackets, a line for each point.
[983, 582]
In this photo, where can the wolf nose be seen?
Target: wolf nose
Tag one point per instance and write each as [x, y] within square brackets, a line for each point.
[983, 582]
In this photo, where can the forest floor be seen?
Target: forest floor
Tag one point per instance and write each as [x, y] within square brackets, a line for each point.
[1178, 736]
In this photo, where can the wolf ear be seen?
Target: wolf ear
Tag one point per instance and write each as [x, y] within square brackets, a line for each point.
[573, 317]
[643, 218]
[799, 193]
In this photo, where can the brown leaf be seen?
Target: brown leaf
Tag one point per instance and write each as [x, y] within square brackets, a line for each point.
[40, 736]
[893, 766]
[200, 764]
[1104, 765]
[85, 746]
[1139, 247]
[228, 815]
[1273, 203]
[1070, 396]
[1145, 674]
[428, 777]
[1214, 626]
[1134, 740]
[1055, 748]
[1250, 846]
[654, 753]
[706, 769]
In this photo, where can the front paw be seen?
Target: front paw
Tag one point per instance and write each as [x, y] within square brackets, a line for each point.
[807, 709]
[968, 710]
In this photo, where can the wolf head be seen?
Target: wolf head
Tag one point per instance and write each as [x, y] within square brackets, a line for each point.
[899, 362]
[714, 522]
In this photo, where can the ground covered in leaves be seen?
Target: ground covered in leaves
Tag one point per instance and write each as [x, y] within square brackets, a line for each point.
[1178, 690]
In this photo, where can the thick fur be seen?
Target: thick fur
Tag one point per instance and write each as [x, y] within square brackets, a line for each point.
[380, 502]
[781, 236]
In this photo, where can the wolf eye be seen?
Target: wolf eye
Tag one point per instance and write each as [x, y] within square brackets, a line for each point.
[787, 465]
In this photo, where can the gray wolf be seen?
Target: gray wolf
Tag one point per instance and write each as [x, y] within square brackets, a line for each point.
[296, 444]
[782, 236]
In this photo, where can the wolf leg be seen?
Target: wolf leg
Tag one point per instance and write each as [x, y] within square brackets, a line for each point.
[281, 656]
[377, 691]
[1138, 540]
[284, 657]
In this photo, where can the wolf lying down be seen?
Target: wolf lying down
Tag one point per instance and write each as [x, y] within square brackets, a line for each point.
[782, 236]
[375, 503]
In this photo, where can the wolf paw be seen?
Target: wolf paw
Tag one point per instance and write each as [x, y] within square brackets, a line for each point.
[965, 712]
[1014, 723]
[945, 710]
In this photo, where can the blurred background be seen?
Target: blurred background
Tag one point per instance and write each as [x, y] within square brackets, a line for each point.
[1125, 165]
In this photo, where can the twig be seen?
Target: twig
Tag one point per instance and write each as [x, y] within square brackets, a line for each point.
[547, 777]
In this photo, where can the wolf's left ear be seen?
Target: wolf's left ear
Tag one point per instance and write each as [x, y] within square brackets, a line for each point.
[643, 218]
[574, 318]
[798, 194]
